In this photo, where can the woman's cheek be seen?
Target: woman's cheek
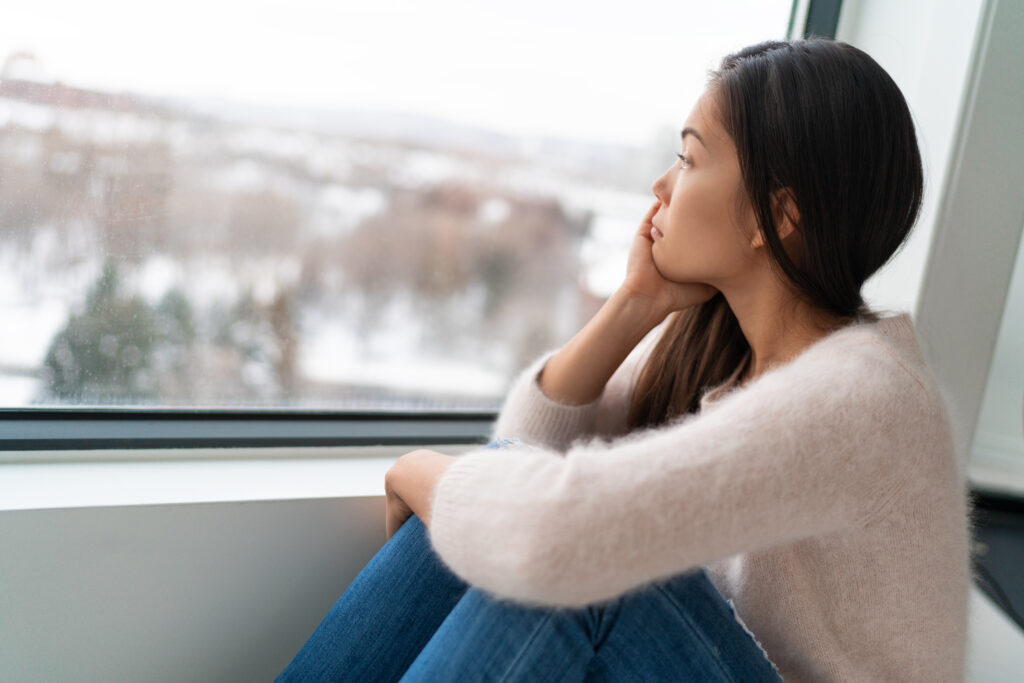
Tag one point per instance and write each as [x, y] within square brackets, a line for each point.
[666, 258]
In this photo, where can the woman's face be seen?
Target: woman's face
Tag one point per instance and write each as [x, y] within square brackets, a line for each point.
[704, 225]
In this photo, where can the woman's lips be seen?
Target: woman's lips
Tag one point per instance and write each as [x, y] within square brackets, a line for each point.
[655, 233]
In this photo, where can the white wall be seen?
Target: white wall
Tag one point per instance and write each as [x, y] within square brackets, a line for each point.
[999, 437]
[194, 592]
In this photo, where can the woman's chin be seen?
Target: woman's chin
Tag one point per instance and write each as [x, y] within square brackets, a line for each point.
[668, 273]
[679, 276]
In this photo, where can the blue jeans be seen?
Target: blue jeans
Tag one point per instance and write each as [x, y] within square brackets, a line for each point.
[407, 617]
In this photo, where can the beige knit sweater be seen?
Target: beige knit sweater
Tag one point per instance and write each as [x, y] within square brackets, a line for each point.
[824, 498]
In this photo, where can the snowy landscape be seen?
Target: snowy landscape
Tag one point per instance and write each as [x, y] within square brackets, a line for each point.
[204, 253]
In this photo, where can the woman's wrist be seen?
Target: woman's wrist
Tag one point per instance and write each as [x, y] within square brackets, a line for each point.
[636, 313]
[413, 478]
[577, 374]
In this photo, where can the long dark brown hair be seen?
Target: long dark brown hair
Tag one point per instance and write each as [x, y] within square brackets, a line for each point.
[821, 120]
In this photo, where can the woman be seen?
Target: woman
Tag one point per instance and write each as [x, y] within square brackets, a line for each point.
[778, 448]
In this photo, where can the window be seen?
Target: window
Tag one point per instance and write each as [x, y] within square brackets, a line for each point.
[316, 206]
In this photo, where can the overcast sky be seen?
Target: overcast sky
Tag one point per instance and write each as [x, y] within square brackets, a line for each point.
[571, 69]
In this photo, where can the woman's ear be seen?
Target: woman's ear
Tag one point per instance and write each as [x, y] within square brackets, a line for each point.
[787, 214]
[787, 217]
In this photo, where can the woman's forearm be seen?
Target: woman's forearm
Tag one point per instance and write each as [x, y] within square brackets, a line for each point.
[578, 372]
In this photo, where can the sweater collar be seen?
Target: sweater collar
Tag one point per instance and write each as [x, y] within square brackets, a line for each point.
[898, 327]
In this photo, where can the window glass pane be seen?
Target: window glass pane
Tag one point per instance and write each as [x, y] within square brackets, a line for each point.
[998, 453]
[322, 204]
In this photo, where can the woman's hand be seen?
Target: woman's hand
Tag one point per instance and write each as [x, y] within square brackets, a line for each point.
[644, 282]
[408, 486]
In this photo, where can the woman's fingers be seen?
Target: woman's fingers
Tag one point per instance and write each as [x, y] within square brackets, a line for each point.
[651, 211]
[644, 228]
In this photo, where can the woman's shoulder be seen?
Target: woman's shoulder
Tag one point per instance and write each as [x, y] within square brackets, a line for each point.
[866, 384]
[887, 346]
[879, 361]
[876, 360]
[888, 368]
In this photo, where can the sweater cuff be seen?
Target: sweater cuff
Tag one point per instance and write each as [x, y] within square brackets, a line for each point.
[473, 541]
[448, 509]
[532, 416]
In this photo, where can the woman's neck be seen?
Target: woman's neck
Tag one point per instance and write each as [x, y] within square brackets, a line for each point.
[777, 335]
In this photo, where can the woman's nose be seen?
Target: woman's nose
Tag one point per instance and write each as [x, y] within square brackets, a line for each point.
[657, 186]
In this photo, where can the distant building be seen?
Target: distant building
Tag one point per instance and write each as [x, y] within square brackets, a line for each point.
[24, 77]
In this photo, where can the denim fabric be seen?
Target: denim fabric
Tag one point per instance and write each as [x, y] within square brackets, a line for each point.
[506, 442]
[407, 617]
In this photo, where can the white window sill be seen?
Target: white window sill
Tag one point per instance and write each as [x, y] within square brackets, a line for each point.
[199, 476]
[66, 479]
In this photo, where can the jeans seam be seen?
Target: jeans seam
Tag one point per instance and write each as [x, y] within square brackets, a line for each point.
[525, 647]
[697, 632]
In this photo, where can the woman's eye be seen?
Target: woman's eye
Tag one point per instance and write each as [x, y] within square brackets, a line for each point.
[685, 160]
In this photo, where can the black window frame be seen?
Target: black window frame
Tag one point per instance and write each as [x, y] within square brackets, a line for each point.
[50, 429]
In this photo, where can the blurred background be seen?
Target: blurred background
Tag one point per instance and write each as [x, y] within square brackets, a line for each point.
[318, 204]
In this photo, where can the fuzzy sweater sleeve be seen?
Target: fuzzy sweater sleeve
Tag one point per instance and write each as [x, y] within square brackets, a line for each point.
[531, 416]
[808, 448]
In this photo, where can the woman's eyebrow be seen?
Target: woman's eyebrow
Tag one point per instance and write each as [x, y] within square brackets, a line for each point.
[690, 131]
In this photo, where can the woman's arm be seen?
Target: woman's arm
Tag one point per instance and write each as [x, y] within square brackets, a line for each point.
[556, 398]
[409, 484]
[806, 449]
[565, 393]
[579, 371]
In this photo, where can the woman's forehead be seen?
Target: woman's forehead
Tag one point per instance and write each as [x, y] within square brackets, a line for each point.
[704, 124]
